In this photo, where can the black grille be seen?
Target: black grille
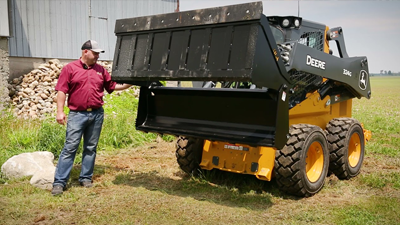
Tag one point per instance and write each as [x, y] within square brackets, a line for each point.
[303, 83]
[306, 82]
[313, 40]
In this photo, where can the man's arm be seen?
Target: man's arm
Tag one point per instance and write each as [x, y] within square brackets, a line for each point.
[120, 87]
[61, 118]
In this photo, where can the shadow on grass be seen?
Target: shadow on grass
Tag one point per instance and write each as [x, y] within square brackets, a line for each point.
[234, 190]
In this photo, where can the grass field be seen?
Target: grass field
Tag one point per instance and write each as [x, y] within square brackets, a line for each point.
[143, 185]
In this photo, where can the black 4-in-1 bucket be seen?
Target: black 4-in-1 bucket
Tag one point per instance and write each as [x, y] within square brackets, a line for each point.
[227, 44]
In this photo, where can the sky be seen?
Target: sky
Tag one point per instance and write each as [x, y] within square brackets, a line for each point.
[371, 28]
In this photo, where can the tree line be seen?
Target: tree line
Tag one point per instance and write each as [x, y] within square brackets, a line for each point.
[388, 72]
[385, 73]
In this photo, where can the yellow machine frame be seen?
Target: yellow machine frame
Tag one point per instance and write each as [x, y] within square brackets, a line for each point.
[259, 161]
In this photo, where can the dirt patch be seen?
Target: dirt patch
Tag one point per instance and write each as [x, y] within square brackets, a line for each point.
[158, 159]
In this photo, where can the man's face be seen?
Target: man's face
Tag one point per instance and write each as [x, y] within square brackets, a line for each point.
[91, 57]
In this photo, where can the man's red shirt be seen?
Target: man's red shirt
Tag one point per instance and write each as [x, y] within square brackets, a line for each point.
[85, 87]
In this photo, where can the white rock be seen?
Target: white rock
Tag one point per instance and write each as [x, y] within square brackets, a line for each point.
[43, 179]
[27, 164]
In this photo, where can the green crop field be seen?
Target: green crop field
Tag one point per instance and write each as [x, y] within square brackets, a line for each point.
[137, 179]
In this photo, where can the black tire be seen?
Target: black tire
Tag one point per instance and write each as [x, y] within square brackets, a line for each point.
[188, 154]
[302, 165]
[346, 146]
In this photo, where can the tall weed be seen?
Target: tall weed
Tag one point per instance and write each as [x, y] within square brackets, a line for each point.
[16, 136]
[51, 137]
[119, 124]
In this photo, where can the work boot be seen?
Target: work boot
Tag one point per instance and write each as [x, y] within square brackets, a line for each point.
[87, 184]
[57, 190]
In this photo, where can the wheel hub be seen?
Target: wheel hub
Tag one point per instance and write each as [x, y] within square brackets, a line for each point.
[354, 150]
[314, 162]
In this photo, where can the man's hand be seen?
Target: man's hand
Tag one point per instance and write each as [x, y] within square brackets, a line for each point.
[120, 87]
[61, 118]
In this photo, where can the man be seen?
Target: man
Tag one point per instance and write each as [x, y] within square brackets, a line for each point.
[84, 81]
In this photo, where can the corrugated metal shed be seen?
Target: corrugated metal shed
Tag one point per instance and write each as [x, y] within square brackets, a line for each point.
[4, 30]
[58, 28]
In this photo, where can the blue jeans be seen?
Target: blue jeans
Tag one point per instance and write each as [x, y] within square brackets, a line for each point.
[88, 125]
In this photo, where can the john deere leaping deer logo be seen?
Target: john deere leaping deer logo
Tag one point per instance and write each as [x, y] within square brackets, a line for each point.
[363, 79]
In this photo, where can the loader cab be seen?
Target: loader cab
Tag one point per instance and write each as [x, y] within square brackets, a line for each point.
[291, 29]
[295, 29]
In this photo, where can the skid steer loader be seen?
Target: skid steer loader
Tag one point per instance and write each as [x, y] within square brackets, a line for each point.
[272, 101]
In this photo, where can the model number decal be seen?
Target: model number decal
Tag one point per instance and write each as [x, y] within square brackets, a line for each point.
[315, 63]
[346, 72]
[235, 147]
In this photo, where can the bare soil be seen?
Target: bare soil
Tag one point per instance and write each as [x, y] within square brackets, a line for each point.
[159, 158]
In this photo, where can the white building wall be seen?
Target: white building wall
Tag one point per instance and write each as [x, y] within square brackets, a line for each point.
[4, 29]
[58, 28]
